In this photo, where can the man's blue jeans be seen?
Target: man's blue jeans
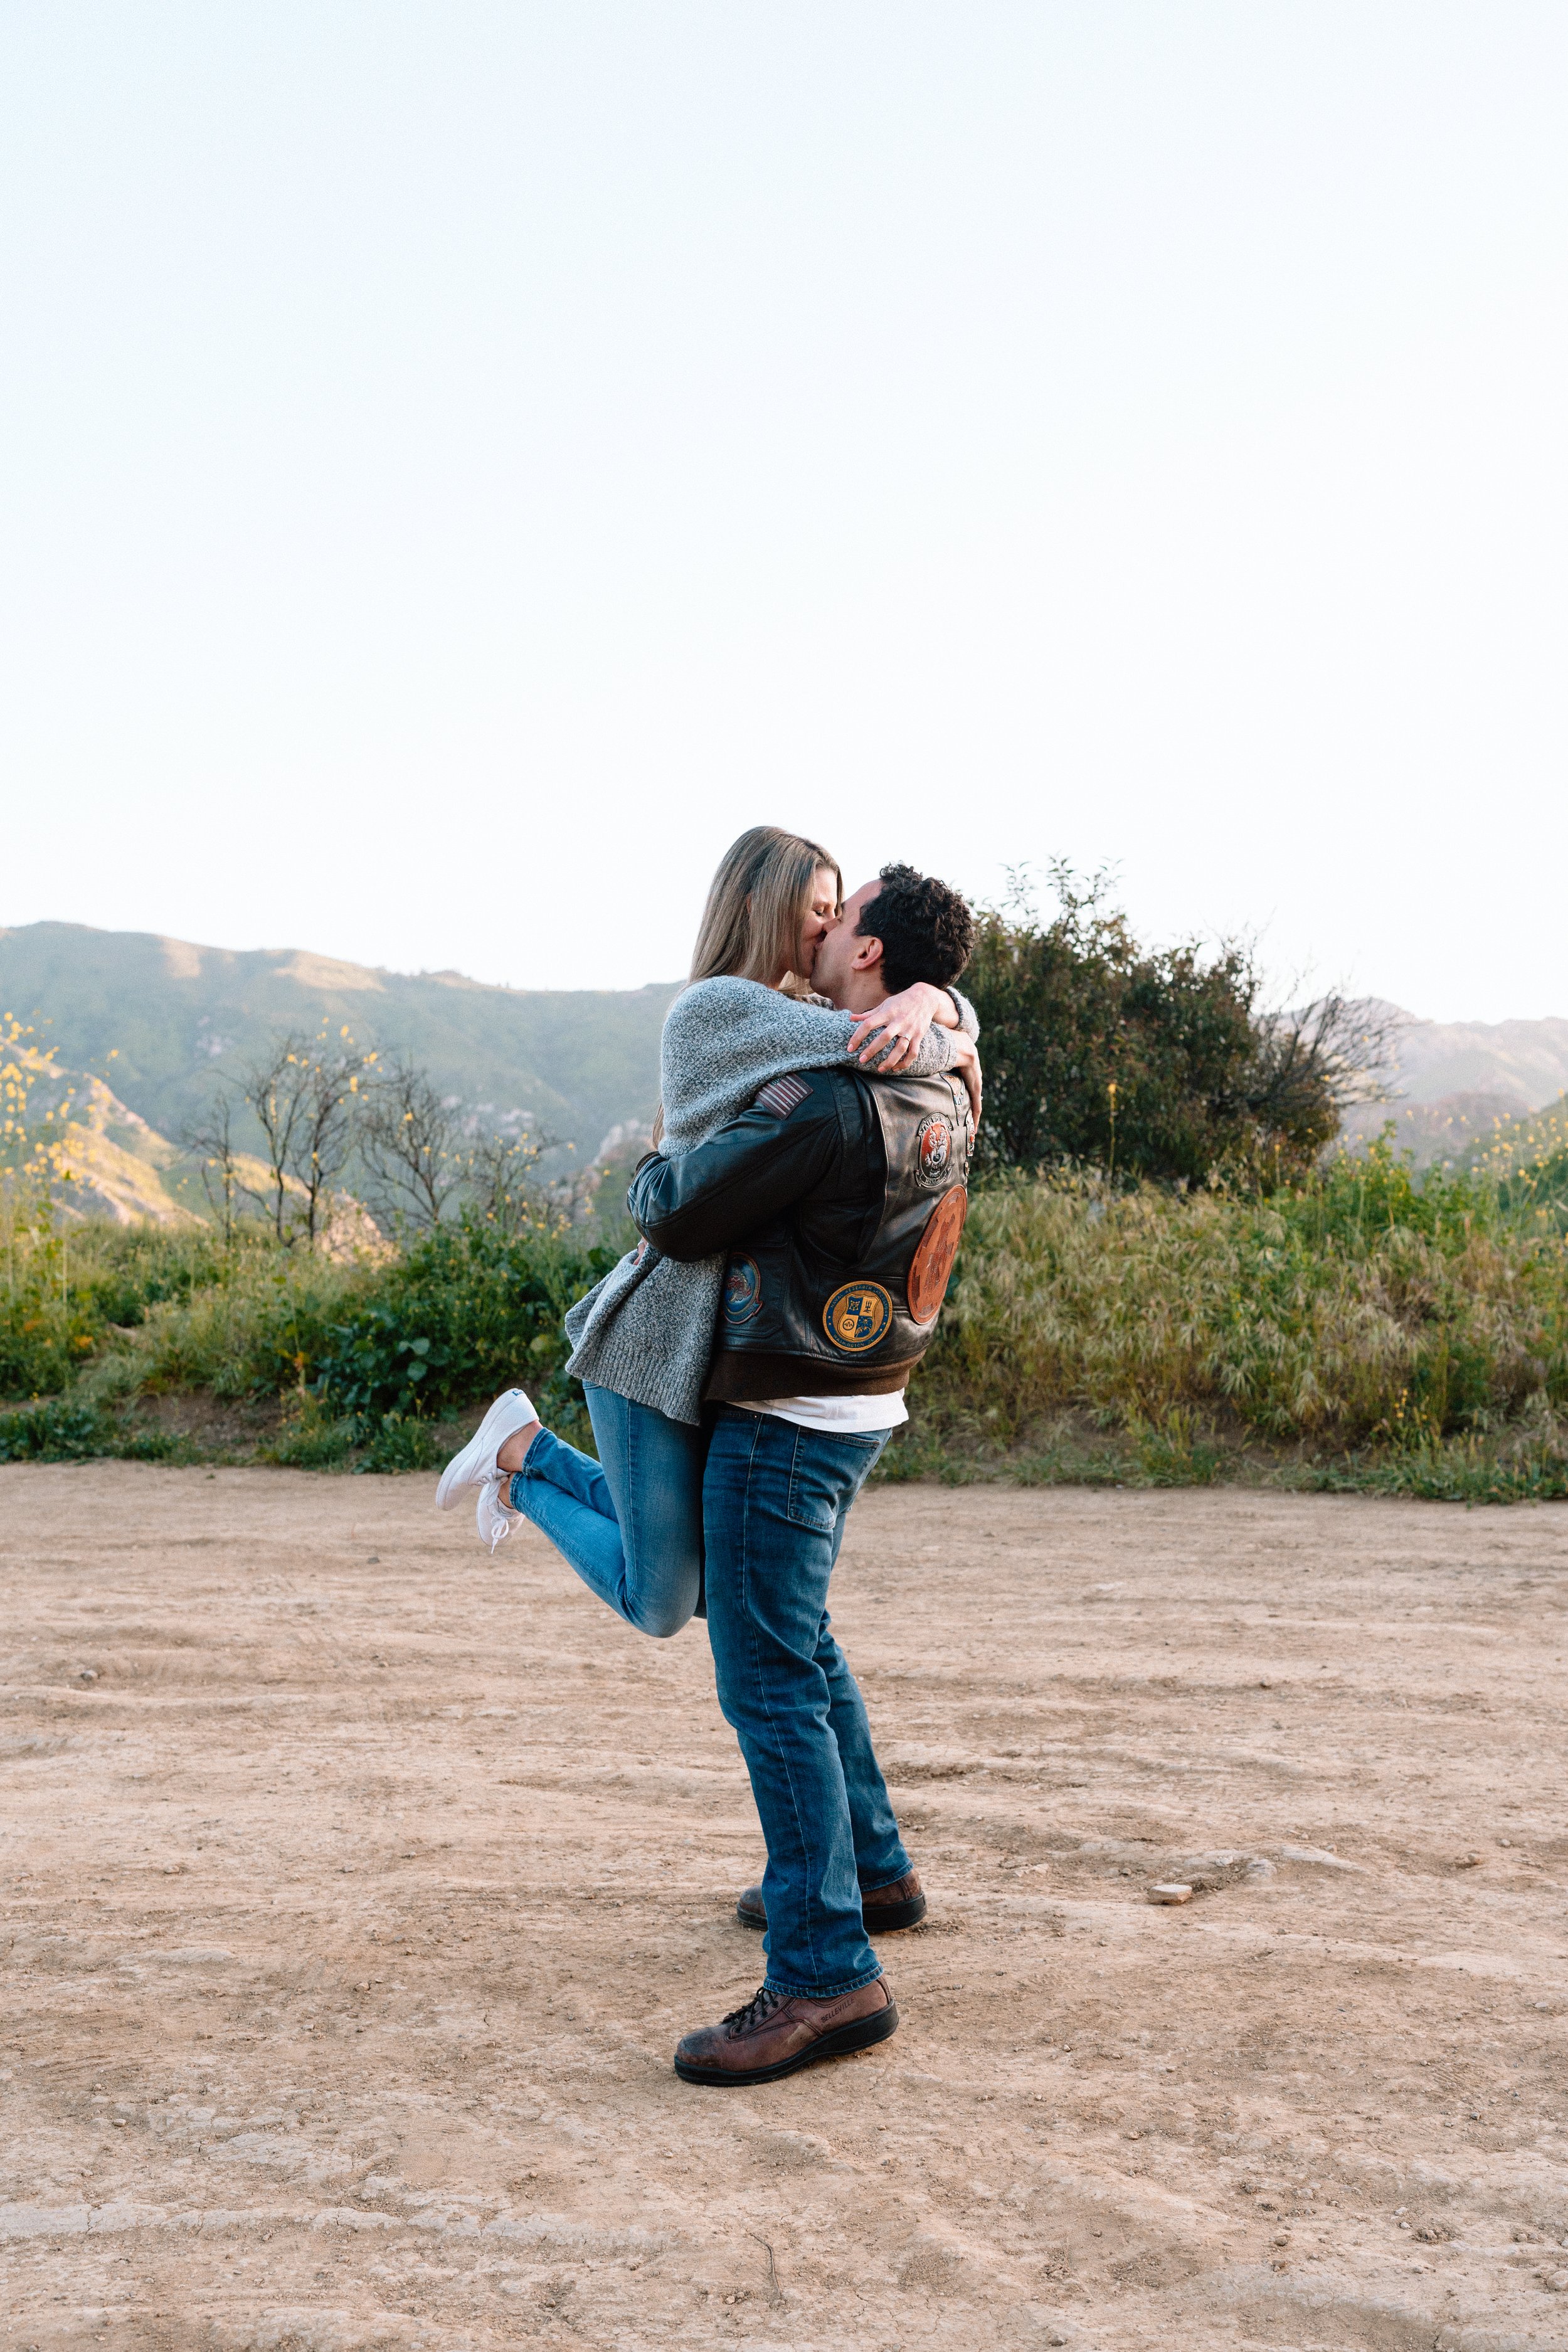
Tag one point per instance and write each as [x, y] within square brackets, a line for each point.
[631, 1523]
[774, 1501]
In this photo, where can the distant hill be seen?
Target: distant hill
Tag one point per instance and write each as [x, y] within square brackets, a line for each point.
[572, 1063]
[1455, 1080]
[114, 1165]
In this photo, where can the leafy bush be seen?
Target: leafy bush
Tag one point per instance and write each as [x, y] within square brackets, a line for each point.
[56, 1432]
[468, 1310]
[1152, 1063]
[402, 1444]
[370, 1353]
[371, 1366]
[64, 1430]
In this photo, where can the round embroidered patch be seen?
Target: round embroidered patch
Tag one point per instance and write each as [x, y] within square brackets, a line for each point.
[743, 1290]
[932, 1261]
[858, 1316]
[933, 1143]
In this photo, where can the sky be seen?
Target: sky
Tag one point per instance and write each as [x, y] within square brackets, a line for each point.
[464, 462]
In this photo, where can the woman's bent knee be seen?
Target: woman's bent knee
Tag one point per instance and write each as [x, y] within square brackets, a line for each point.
[661, 1593]
[661, 1624]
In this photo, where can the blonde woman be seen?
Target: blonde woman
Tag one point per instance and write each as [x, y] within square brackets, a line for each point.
[631, 1523]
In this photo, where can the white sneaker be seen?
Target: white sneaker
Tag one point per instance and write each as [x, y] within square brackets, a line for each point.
[495, 1517]
[475, 1464]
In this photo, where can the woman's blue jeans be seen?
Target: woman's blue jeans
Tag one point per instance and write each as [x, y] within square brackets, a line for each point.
[631, 1523]
[775, 1498]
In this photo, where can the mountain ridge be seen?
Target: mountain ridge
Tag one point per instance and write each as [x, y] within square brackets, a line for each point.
[173, 1016]
[163, 1017]
[1454, 1082]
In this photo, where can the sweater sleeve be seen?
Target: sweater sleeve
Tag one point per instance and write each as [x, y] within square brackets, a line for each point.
[724, 1038]
[933, 1054]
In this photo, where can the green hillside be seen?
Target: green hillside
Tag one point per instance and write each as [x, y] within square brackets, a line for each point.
[571, 1062]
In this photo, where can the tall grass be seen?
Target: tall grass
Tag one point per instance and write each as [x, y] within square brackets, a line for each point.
[260, 1325]
[363, 1354]
[1356, 1315]
[67, 1288]
[1527, 1160]
[1362, 1328]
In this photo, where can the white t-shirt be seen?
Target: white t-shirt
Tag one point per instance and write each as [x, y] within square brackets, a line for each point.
[853, 1414]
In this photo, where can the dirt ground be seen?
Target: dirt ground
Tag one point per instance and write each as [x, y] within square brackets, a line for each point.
[357, 1887]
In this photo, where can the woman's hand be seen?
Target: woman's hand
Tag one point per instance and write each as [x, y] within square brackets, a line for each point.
[966, 1066]
[893, 1029]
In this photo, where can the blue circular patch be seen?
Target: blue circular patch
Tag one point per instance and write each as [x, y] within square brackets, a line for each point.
[743, 1291]
[858, 1316]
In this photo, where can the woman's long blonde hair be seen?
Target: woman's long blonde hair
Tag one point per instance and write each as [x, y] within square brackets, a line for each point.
[757, 907]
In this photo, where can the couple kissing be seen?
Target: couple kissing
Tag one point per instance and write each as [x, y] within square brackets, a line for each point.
[745, 1365]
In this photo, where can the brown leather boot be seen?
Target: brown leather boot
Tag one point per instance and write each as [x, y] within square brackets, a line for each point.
[885, 1910]
[776, 2032]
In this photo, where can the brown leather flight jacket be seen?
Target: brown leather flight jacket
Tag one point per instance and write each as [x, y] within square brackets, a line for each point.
[837, 1201]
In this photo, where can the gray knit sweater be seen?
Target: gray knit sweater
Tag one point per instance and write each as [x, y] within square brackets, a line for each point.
[646, 1330]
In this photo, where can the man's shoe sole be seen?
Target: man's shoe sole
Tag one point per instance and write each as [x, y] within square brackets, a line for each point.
[860, 2033]
[881, 1918]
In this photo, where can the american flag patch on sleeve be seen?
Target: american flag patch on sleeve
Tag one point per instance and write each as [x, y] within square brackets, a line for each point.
[781, 1096]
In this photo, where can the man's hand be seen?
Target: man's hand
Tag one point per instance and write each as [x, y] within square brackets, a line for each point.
[892, 1032]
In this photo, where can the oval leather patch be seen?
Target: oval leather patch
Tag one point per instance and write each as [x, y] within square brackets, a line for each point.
[933, 1149]
[855, 1316]
[932, 1261]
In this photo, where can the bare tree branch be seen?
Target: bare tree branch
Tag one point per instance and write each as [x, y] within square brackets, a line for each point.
[212, 1141]
[1344, 1046]
[410, 1149]
[306, 1095]
[502, 1184]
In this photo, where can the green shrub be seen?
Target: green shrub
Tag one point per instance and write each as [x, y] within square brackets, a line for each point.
[469, 1310]
[65, 1430]
[1153, 1063]
[371, 1366]
[311, 1439]
[56, 1432]
[399, 1443]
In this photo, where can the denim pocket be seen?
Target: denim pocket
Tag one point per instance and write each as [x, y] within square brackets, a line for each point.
[826, 1474]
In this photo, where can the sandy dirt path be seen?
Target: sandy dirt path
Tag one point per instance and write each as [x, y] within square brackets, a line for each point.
[356, 1889]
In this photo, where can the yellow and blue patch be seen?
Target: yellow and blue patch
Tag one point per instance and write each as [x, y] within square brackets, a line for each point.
[856, 1316]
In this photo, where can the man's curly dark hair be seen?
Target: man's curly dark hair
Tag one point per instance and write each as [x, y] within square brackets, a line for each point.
[925, 927]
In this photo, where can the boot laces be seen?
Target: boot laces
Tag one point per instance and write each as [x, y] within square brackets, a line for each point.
[761, 2006]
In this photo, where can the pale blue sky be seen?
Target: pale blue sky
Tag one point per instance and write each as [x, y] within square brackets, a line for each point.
[465, 461]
